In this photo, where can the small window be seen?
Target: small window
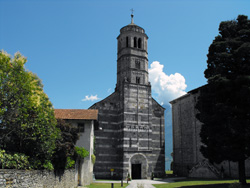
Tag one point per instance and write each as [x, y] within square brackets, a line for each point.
[137, 64]
[80, 127]
[126, 41]
[138, 80]
[139, 43]
[135, 42]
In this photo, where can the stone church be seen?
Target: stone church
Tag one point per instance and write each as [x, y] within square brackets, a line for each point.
[130, 140]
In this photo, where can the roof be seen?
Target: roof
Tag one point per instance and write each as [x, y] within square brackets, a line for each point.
[76, 114]
[187, 94]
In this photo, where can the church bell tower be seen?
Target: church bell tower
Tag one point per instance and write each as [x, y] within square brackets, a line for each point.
[132, 55]
[131, 142]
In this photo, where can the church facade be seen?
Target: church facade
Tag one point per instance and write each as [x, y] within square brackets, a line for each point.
[130, 140]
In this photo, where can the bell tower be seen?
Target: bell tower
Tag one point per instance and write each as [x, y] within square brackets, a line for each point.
[132, 56]
[131, 141]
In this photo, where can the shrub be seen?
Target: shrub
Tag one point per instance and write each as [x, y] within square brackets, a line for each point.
[81, 152]
[48, 165]
[14, 161]
[70, 163]
[93, 158]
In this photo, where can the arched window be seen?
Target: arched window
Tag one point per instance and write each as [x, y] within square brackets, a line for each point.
[139, 43]
[126, 41]
[135, 42]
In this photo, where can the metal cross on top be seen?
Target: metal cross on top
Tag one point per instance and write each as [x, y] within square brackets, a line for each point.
[132, 15]
[132, 11]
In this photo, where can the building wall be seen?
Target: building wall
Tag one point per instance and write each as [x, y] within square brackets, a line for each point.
[86, 139]
[187, 159]
[186, 128]
[132, 127]
[109, 153]
[37, 179]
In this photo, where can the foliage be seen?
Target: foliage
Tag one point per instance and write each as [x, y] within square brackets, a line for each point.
[65, 146]
[224, 102]
[27, 122]
[81, 152]
[169, 172]
[16, 161]
[48, 165]
[70, 163]
[93, 158]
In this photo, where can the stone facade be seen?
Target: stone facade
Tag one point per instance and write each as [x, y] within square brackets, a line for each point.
[187, 158]
[132, 137]
[10, 178]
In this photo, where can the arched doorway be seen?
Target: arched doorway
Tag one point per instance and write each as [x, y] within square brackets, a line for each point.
[138, 165]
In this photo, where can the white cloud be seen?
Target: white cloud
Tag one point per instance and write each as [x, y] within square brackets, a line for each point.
[166, 87]
[90, 98]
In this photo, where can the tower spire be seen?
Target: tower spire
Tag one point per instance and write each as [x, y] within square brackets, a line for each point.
[132, 16]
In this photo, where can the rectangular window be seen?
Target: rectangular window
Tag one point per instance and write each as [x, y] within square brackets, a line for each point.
[138, 80]
[137, 64]
[80, 127]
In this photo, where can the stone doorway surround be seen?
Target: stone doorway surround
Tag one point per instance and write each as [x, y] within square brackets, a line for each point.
[139, 158]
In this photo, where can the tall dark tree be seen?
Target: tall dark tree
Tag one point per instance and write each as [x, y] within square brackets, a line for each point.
[224, 103]
[65, 145]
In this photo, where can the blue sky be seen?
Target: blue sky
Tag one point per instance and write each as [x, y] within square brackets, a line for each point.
[71, 44]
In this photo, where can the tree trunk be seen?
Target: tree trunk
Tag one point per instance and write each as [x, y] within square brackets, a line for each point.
[242, 173]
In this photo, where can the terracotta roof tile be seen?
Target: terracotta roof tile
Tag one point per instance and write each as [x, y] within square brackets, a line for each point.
[76, 114]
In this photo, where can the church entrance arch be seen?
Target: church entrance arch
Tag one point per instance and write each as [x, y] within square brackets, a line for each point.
[138, 165]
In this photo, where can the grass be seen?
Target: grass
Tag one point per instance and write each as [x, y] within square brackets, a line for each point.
[187, 183]
[169, 172]
[106, 185]
[106, 180]
[199, 184]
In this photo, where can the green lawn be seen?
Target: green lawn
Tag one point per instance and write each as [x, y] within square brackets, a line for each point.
[188, 183]
[199, 184]
[106, 185]
[169, 172]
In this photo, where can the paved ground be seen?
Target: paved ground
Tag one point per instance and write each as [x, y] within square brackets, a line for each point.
[143, 183]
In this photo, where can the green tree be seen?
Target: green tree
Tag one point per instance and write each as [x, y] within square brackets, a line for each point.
[27, 122]
[224, 102]
[65, 145]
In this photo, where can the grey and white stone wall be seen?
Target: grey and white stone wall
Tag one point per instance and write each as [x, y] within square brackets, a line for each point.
[12, 178]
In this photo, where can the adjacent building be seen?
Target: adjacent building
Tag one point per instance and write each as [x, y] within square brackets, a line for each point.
[131, 140]
[187, 159]
[85, 121]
